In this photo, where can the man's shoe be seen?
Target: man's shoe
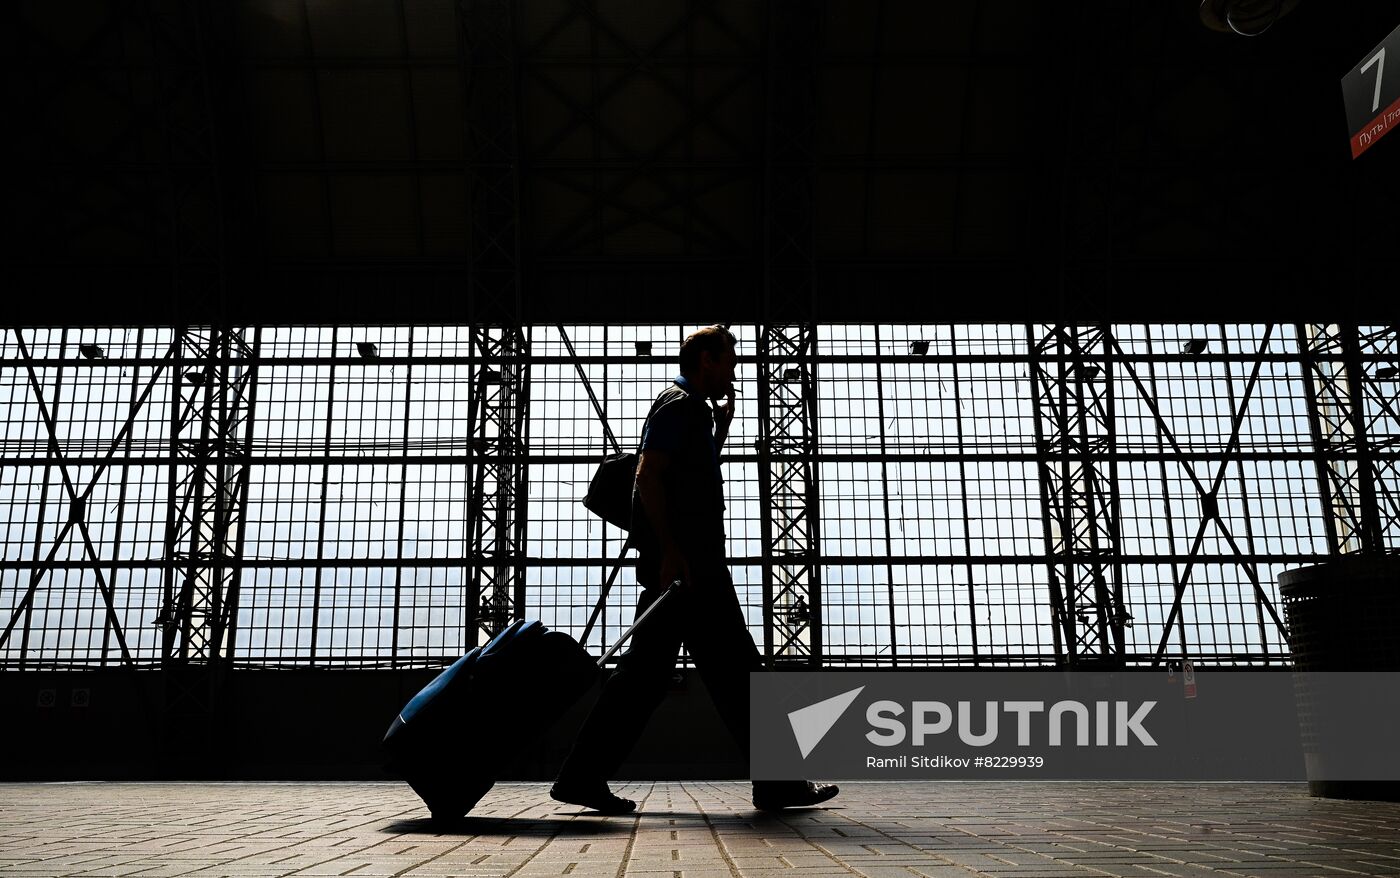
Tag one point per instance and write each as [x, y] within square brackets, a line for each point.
[776, 795]
[595, 796]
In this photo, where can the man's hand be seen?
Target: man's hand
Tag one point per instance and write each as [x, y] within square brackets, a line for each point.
[724, 415]
[673, 567]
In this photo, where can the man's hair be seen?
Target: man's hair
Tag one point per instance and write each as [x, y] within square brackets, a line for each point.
[715, 339]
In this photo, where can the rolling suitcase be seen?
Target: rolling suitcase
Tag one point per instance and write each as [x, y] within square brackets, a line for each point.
[452, 738]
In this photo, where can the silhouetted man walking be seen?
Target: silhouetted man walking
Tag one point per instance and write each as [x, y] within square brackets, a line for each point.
[678, 530]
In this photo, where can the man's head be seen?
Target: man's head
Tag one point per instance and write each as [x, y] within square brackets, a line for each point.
[707, 361]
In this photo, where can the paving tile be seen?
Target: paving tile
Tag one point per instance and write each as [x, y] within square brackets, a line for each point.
[1003, 829]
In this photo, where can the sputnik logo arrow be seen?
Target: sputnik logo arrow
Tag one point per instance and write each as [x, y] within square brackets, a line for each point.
[811, 723]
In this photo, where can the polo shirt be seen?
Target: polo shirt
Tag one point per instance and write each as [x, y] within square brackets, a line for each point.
[682, 425]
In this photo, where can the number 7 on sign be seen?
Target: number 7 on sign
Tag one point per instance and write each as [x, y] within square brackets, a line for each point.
[1380, 73]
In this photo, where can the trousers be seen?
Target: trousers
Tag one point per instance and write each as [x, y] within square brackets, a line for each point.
[706, 617]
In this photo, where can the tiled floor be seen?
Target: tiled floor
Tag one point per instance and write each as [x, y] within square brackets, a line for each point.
[697, 830]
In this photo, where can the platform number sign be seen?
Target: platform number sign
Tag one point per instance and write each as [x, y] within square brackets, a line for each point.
[1372, 95]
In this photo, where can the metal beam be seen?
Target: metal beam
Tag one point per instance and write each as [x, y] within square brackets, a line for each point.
[55, 457]
[1073, 404]
[1351, 386]
[790, 495]
[787, 346]
[1209, 498]
[499, 403]
[213, 396]
[496, 496]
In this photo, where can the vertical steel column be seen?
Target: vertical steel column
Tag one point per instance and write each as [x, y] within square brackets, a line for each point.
[400, 570]
[788, 490]
[195, 77]
[885, 501]
[1072, 398]
[211, 406]
[497, 422]
[1072, 380]
[1351, 385]
[496, 499]
[787, 384]
[213, 398]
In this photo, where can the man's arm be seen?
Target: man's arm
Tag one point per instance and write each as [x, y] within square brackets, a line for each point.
[650, 467]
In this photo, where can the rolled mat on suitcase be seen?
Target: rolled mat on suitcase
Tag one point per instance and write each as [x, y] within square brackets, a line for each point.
[452, 738]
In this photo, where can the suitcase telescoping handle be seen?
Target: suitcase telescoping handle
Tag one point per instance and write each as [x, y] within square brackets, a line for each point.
[638, 622]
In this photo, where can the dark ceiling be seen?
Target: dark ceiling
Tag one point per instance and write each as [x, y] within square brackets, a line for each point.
[653, 160]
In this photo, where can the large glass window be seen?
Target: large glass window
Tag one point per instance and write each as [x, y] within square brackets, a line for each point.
[353, 545]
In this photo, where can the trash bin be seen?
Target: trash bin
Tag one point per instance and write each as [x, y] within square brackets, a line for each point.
[1342, 615]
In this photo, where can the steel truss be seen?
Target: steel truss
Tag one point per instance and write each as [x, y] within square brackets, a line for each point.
[1073, 401]
[788, 490]
[787, 440]
[182, 116]
[1073, 397]
[211, 433]
[1351, 385]
[212, 379]
[211, 430]
[496, 470]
